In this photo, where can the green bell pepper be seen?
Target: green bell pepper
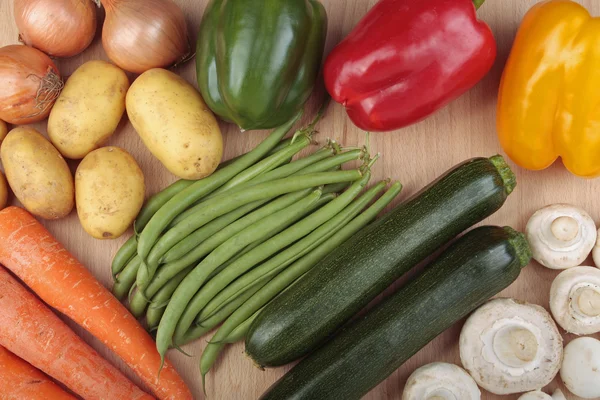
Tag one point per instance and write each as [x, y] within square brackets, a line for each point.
[257, 60]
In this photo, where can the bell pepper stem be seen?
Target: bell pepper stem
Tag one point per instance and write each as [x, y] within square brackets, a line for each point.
[478, 3]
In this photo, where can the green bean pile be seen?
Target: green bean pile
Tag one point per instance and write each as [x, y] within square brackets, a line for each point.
[217, 250]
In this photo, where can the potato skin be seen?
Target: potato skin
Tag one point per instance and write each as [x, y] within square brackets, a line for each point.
[109, 188]
[3, 191]
[175, 124]
[37, 174]
[3, 131]
[89, 109]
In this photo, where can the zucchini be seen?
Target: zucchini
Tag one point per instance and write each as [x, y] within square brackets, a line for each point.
[478, 266]
[303, 317]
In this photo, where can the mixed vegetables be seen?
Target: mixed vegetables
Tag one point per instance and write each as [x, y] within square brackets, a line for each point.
[279, 250]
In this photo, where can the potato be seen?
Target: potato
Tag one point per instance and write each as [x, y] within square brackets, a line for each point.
[109, 191]
[3, 191]
[175, 124]
[88, 109]
[3, 131]
[37, 174]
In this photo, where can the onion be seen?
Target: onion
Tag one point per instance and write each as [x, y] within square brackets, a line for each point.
[139, 35]
[30, 84]
[60, 28]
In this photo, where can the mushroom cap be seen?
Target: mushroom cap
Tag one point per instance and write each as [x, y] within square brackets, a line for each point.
[580, 370]
[558, 395]
[510, 346]
[596, 251]
[536, 395]
[440, 381]
[575, 300]
[561, 236]
[539, 395]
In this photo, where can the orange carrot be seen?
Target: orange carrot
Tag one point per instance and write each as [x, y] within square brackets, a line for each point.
[39, 260]
[34, 333]
[19, 380]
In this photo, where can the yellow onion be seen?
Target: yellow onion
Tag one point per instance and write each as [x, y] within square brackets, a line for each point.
[60, 28]
[30, 84]
[139, 35]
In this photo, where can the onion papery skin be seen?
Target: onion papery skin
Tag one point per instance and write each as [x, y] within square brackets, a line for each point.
[30, 84]
[139, 35]
[59, 28]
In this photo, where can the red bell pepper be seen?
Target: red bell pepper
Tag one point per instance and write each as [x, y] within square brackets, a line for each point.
[408, 58]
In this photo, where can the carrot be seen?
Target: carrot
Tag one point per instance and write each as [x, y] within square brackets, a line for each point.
[34, 333]
[39, 260]
[19, 380]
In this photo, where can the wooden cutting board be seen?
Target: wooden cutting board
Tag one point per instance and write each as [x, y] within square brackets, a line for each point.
[415, 155]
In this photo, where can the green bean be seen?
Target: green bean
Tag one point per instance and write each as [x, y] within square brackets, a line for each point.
[265, 250]
[283, 143]
[336, 187]
[182, 254]
[197, 331]
[221, 254]
[278, 173]
[182, 200]
[288, 277]
[123, 256]
[229, 201]
[264, 166]
[126, 278]
[264, 272]
[332, 162]
[193, 248]
[239, 333]
[208, 325]
[325, 198]
[191, 242]
[161, 298]
[138, 303]
[293, 167]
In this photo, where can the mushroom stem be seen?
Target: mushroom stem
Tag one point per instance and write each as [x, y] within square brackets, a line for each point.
[515, 345]
[587, 301]
[565, 228]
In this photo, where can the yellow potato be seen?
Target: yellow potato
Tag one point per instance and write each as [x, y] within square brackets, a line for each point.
[88, 109]
[3, 191]
[175, 124]
[37, 174]
[3, 131]
[109, 189]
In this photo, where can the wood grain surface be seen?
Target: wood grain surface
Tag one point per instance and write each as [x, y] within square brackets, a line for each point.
[415, 155]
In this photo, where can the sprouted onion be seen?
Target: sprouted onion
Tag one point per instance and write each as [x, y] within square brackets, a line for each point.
[70, 30]
[139, 35]
[30, 84]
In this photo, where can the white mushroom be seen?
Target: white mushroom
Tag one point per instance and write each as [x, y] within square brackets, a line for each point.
[558, 395]
[511, 347]
[561, 236]
[539, 395]
[596, 251]
[575, 300]
[440, 381]
[580, 370]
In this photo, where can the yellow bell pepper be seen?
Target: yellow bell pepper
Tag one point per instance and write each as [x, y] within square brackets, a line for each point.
[549, 101]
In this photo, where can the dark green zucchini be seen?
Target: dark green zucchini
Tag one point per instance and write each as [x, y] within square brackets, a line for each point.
[304, 316]
[475, 268]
